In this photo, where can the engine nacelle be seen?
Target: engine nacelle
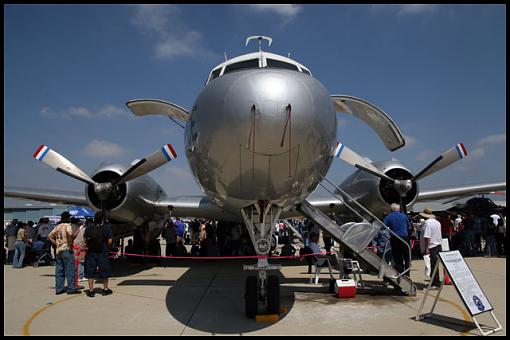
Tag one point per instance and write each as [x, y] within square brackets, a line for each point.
[125, 202]
[377, 194]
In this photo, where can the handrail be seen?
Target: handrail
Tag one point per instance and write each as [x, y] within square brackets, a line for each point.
[294, 230]
[370, 214]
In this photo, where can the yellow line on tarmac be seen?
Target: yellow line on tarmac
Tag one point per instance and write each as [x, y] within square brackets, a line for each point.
[26, 325]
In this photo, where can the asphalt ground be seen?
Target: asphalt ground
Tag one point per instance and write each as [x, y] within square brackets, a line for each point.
[206, 298]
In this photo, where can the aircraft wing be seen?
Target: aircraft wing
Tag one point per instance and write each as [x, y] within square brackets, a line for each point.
[43, 195]
[196, 206]
[192, 206]
[429, 195]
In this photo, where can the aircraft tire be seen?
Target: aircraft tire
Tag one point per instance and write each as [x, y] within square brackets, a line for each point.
[250, 297]
[273, 295]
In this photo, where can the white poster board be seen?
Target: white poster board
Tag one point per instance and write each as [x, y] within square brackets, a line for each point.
[465, 283]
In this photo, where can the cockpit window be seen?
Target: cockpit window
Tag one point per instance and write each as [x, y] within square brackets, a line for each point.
[281, 64]
[216, 73]
[252, 63]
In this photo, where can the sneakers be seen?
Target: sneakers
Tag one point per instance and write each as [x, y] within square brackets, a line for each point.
[106, 292]
[74, 292]
[61, 292]
[90, 293]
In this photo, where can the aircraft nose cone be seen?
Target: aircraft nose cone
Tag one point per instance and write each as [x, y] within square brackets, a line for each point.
[264, 101]
[279, 126]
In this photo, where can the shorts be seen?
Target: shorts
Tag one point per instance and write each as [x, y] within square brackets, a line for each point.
[94, 260]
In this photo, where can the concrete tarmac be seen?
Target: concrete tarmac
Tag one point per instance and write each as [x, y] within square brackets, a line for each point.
[206, 298]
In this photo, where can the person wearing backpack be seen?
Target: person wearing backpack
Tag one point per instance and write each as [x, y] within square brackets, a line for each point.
[98, 238]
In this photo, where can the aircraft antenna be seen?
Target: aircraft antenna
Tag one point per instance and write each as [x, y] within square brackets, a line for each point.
[225, 54]
[260, 38]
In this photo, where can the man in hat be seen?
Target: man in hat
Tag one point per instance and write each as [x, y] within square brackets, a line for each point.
[62, 239]
[431, 232]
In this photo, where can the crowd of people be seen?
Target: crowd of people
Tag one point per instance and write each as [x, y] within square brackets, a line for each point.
[207, 238]
[88, 244]
[80, 250]
[473, 234]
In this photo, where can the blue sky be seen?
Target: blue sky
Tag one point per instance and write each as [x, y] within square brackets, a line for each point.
[439, 71]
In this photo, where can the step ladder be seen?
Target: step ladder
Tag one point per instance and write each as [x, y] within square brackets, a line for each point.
[357, 236]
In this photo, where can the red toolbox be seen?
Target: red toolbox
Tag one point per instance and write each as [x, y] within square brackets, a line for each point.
[345, 288]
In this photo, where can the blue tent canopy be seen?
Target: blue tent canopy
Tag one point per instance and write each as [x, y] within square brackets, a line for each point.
[81, 212]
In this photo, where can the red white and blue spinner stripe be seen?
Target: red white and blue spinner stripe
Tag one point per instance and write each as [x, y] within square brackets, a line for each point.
[169, 152]
[461, 150]
[41, 152]
[338, 150]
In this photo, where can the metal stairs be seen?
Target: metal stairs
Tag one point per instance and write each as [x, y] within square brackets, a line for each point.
[357, 236]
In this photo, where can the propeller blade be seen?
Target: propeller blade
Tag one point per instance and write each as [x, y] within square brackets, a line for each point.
[447, 158]
[347, 155]
[159, 157]
[58, 162]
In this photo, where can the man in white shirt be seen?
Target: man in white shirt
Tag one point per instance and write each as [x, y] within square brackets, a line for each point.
[432, 240]
[495, 219]
[457, 223]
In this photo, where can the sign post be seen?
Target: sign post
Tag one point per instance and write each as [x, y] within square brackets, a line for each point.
[467, 287]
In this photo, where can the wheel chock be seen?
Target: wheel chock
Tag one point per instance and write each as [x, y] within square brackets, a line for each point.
[267, 318]
[271, 317]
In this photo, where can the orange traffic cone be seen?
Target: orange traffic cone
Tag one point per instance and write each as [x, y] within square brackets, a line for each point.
[447, 280]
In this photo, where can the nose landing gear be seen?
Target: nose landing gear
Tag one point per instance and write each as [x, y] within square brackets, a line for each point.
[262, 292]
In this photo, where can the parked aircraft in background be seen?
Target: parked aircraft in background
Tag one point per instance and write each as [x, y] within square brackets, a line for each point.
[260, 137]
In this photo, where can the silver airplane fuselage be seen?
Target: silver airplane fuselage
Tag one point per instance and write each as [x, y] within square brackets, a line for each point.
[261, 135]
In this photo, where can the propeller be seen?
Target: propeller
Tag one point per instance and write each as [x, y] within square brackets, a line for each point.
[402, 186]
[58, 162]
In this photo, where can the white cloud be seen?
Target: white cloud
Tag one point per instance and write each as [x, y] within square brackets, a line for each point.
[410, 140]
[171, 38]
[493, 139]
[106, 112]
[103, 149]
[286, 11]
[425, 155]
[484, 144]
[402, 10]
[415, 8]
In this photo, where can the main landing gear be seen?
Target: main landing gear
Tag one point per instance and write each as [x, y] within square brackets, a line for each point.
[262, 292]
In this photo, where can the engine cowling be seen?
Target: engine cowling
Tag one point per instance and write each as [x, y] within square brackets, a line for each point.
[125, 201]
[377, 194]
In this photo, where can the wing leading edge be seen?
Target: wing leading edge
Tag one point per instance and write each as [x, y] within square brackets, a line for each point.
[428, 195]
[43, 195]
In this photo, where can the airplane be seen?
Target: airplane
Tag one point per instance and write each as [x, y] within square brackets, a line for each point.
[260, 138]
[480, 206]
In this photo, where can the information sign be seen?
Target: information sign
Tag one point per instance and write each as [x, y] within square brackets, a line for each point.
[465, 283]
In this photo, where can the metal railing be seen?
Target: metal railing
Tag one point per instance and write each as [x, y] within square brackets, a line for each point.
[348, 200]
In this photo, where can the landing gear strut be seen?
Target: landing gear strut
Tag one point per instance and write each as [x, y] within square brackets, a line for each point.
[262, 294]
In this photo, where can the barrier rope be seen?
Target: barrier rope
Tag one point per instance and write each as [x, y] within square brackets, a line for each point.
[291, 257]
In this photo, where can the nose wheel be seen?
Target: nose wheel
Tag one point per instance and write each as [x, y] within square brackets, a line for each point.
[273, 295]
[262, 296]
[251, 297]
